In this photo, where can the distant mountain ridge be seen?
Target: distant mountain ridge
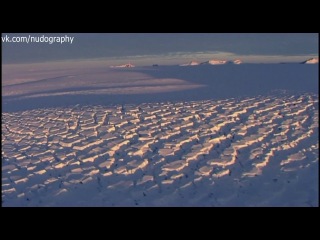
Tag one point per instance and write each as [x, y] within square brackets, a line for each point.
[237, 61]
[192, 63]
[212, 62]
[128, 65]
[215, 62]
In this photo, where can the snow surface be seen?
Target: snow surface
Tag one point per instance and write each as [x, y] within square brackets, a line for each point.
[169, 136]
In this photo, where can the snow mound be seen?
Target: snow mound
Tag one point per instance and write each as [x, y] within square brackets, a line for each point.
[128, 65]
[215, 62]
[237, 61]
[311, 61]
[192, 63]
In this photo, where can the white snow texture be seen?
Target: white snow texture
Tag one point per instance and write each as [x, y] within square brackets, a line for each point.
[214, 134]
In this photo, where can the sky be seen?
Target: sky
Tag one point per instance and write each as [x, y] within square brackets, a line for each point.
[163, 48]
